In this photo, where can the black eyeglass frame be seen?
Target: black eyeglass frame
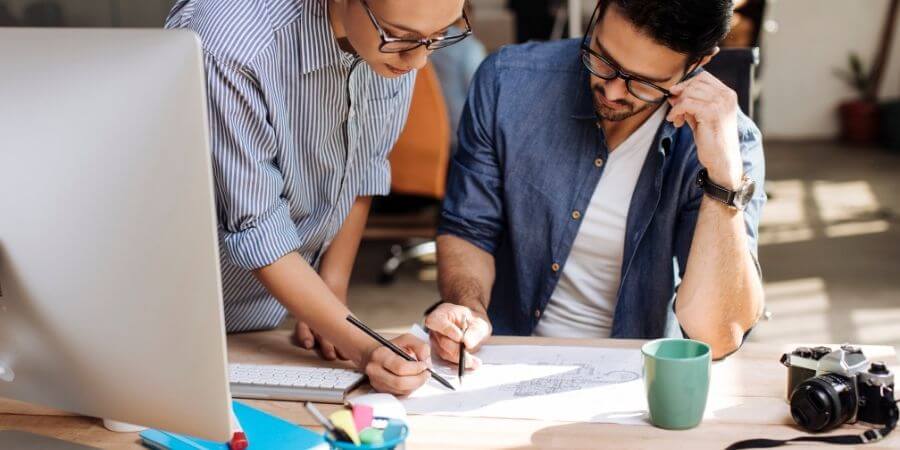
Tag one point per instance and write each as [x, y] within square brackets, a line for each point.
[587, 53]
[431, 44]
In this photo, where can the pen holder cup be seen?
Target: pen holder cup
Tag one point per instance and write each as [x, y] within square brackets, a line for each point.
[386, 445]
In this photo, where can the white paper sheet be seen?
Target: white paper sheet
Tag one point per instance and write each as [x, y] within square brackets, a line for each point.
[572, 384]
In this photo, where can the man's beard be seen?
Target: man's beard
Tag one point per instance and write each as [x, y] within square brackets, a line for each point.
[606, 113]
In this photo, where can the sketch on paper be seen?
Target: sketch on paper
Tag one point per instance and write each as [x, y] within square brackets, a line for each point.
[583, 377]
[542, 382]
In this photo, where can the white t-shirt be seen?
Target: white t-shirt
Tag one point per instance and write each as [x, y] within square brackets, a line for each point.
[584, 301]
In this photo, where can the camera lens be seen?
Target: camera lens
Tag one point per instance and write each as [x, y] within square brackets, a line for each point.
[824, 402]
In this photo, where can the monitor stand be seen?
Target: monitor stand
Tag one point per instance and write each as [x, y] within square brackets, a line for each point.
[122, 427]
[6, 374]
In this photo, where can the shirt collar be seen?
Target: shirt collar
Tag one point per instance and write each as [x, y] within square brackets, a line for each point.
[318, 46]
[583, 109]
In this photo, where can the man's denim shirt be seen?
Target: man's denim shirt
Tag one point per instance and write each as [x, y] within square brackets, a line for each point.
[531, 153]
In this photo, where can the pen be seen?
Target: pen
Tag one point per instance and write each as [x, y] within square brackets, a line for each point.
[390, 345]
[462, 350]
[338, 433]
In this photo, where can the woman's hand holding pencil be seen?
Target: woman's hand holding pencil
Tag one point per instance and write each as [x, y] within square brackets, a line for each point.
[388, 372]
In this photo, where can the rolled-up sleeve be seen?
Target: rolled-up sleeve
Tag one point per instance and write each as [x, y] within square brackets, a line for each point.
[755, 168]
[378, 141]
[252, 213]
[473, 205]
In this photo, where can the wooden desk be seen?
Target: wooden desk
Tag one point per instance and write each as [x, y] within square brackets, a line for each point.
[752, 381]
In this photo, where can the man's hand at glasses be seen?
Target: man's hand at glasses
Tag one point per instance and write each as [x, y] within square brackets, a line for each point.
[710, 108]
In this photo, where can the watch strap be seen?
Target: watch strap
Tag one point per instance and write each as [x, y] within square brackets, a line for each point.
[715, 191]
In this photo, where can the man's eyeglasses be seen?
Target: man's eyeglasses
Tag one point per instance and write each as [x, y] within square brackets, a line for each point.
[602, 67]
[390, 44]
[605, 69]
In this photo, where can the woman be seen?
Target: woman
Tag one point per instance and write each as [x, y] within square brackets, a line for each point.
[306, 98]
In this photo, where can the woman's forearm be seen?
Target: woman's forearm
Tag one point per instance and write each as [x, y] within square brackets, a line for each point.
[302, 291]
[337, 263]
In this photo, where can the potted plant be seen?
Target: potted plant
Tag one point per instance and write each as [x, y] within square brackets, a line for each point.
[859, 117]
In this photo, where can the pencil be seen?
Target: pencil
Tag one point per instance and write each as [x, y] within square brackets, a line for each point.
[462, 350]
[390, 345]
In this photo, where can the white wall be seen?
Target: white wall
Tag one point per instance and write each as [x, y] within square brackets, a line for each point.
[800, 91]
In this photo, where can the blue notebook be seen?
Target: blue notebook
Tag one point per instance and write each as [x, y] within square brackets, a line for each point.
[263, 430]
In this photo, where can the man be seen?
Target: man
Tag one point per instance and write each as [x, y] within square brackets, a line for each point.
[306, 98]
[574, 204]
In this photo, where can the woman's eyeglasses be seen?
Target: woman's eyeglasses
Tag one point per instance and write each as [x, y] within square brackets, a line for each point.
[390, 44]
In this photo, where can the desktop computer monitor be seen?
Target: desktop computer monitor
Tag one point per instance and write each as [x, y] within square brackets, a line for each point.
[110, 291]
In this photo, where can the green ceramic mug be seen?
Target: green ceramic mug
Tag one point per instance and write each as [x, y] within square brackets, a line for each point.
[676, 379]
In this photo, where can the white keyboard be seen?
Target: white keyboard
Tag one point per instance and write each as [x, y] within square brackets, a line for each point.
[297, 383]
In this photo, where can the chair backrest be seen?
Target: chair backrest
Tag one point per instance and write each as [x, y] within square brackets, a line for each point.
[421, 155]
[735, 67]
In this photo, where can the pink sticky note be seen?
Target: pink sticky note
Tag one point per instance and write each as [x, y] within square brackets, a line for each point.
[362, 416]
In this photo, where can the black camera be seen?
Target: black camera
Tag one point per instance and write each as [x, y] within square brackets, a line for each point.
[827, 388]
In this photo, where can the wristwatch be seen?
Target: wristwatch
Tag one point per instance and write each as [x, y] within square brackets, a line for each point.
[738, 199]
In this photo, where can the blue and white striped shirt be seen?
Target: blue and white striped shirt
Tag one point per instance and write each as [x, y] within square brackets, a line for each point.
[291, 152]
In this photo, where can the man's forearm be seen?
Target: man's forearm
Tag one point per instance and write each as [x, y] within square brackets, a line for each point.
[465, 274]
[721, 295]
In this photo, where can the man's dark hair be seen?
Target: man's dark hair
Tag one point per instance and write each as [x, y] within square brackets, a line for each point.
[691, 27]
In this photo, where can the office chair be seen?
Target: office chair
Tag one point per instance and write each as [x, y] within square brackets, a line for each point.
[756, 13]
[736, 68]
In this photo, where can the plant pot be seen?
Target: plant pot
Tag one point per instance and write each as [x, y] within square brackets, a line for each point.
[859, 121]
[889, 124]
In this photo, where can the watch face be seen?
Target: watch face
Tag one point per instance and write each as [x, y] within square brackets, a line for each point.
[744, 194]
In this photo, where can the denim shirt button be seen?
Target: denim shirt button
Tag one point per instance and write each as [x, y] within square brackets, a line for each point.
[598, 162]
[576, 214]
[555, 267]
[537, 314]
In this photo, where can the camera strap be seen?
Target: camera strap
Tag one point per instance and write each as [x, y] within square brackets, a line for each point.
[873, 435]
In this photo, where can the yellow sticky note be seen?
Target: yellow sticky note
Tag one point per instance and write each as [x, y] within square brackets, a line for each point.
[343, 419]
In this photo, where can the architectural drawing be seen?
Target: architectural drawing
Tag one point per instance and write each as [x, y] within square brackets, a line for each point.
[541, 382]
